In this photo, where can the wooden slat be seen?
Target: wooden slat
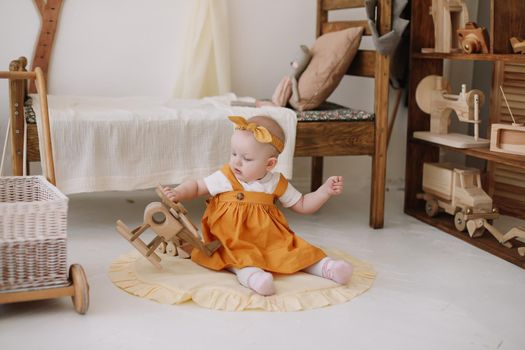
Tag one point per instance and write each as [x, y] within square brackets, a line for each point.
[39, 294]
[509, 206]
[46, 127]
[518, 96]
[338, 138]
[469, 57]
[514, 105]
[335, 26]
[16, 104]
[363, 64]
[381, 90]
[511, 178]
[421, 35]
[514, 83]
[514, 76]
[513, 90]
[505, 190]
[512, 160]
[518, 68]
[514, 64]
[341, 4]
[494, 117]
[317, 173]
[322, 17]
[514, 182]
[518, 114]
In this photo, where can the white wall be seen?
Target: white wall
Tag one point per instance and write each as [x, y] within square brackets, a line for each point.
[129, 47]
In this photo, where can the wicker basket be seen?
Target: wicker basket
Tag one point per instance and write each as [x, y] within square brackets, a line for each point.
[33, 224]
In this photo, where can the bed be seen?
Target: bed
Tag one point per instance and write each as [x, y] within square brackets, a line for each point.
[131, 143]
[329, 131]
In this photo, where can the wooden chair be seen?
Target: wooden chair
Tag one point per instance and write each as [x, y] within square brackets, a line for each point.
[336, 137]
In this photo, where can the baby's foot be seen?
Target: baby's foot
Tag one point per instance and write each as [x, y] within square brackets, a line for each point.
[261, 282]
[338, 271]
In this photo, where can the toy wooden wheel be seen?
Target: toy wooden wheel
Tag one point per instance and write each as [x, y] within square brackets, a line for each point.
[161, 249]
[459, 221]
[472, 93]
[431, 207]
[81, 288]
[424, 89]
[171, 249]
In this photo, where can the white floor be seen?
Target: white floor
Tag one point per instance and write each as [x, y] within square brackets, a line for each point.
[432, 291]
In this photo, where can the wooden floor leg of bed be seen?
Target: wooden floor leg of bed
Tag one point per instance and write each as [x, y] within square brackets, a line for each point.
[317, 173]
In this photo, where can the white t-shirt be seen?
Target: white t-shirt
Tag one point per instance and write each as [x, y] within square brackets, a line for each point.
[219, 183]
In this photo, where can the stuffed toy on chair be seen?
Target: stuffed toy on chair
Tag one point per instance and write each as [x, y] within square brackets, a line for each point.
[287, 88]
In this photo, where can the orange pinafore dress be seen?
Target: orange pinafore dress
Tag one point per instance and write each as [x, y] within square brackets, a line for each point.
[253, 232]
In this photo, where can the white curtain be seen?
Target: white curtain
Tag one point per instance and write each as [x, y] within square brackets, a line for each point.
[205, 68]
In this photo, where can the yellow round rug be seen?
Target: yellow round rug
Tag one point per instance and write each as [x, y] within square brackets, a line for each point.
[181, 280]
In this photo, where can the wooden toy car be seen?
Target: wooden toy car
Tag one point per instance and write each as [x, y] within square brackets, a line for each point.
[458, 192]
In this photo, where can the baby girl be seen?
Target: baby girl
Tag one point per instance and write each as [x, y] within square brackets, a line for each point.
[242, 215]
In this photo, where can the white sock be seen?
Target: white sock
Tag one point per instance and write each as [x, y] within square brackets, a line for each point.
[258, 280]
[338, 271]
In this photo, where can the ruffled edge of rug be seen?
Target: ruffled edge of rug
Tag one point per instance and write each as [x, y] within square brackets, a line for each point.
[221, 298]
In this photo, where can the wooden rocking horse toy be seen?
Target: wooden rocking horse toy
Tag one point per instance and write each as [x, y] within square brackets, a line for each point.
[173, 228]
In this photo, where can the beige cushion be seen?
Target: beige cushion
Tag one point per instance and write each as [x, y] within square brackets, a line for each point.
[332, 55]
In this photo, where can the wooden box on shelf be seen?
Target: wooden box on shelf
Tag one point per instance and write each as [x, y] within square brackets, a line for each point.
[506, 21]
[508, 138]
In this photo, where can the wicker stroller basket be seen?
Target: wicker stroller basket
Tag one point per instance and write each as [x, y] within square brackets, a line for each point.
[33, 224]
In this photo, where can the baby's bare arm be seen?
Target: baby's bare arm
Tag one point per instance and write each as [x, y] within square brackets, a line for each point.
[311, 202]
[187, 190]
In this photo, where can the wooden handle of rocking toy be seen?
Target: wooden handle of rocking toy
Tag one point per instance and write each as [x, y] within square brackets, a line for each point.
[38, 75]
[178, 207]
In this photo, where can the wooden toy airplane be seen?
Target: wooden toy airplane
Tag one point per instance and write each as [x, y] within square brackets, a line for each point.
[172, 227]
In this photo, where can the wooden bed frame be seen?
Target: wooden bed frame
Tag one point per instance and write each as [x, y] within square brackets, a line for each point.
[314, 139]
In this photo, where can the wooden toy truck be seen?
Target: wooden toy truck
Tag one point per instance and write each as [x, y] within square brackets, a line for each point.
[458, 192]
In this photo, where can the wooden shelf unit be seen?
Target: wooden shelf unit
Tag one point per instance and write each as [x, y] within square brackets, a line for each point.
[483, 153]
[486, 242]
[504, 24]
[517, 58]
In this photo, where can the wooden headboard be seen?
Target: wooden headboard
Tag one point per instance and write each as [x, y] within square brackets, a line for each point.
[49, 14]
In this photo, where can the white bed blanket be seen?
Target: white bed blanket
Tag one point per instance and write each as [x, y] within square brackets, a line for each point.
[102, 144]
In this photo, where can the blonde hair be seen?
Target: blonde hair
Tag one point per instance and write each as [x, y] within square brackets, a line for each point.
[272, 126]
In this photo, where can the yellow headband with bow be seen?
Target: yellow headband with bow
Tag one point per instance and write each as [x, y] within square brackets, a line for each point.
[260, 133]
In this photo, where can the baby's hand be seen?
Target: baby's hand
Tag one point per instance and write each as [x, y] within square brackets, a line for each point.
[334, 185]
[170, 193]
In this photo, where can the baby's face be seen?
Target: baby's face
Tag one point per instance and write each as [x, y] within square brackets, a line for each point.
[248, 158]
